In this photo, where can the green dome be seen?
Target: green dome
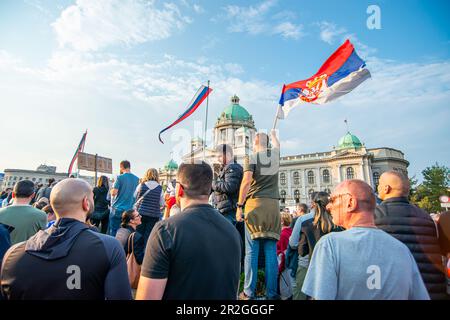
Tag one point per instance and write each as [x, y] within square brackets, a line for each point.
[235, 111]
[171, 165]
[349, 141]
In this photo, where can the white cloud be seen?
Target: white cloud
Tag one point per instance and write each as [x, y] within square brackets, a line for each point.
[289, 30]
[92, 25]
[197, 8]
[260, 19]
[403, 83]
[117, 100]
[329, 31]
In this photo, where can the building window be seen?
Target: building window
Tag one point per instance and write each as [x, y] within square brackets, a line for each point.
[327, 190]
[297, 196]
[310, 177]
[376, 178]
[283, 196]
[34, 179]
[283, 178]
[310, 192]
[15, 178]
[350, 173]
[326, 176]
[21, 178]
[296, 178]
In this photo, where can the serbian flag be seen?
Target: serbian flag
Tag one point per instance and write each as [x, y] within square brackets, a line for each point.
[196, 101]
[75, 156]
[341, 73]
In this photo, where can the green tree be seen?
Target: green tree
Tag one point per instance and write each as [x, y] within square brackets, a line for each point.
[436, 182]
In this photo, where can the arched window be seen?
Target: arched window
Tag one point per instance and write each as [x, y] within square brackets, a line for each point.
[326, 176]
[296, 178]
[310, 192]
[283, 178]
[310, 177]
[297, 196]
[350, 173]
[376, 178]
[327, 190]
[283, 196]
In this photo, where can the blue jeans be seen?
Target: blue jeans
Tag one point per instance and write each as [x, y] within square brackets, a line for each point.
[115, 218]
[231, 217]
[251, 265]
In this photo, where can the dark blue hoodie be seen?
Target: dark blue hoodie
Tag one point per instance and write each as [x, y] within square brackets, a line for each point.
[66, 261]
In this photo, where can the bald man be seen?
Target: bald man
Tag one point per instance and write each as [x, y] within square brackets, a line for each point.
[68, 260]
[412, 226]
[362, 262]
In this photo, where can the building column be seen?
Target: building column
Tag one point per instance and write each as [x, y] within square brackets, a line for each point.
[318, 179]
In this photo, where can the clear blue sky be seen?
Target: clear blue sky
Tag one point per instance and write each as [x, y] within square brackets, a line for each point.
[125, 69]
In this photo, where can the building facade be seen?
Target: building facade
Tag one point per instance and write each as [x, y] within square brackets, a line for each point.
[235, 127]
[41, 175]
[302, 174]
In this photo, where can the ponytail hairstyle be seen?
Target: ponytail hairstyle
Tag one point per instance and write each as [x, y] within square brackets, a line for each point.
[127, 216]
[322, 217]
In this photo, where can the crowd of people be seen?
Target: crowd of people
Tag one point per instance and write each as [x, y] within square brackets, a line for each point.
[194, 238]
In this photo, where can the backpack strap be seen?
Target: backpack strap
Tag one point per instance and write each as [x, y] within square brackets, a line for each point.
[131, 243]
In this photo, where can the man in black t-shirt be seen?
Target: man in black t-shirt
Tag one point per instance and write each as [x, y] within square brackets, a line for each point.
[194, 254]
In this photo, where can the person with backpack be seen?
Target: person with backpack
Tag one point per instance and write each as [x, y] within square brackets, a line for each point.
[44, 192]
[149, 202]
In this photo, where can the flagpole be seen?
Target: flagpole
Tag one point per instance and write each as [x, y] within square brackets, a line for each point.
[276, 118]
[206, 123]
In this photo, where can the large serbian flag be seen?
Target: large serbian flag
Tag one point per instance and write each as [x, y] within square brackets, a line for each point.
[80, 148]
[341, 73]
[200, 96]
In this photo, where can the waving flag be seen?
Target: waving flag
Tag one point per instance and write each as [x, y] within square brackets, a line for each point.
[341, 73]
[199, 97]
[79, 149]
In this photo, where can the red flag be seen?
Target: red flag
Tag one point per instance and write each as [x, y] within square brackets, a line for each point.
[79, 149]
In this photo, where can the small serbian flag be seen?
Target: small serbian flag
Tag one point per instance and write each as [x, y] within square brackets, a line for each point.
[196, 101]
[341, 73]
[80, 148]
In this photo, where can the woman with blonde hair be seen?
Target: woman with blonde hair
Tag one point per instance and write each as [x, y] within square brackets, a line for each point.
[149, 197]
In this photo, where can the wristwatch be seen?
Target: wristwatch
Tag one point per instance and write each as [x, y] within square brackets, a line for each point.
[239, 205]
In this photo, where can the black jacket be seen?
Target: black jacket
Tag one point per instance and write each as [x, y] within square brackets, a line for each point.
[415, 228]
[310, 235]
[66, 261]
[123, 235]
[101, 202]
[226, 188]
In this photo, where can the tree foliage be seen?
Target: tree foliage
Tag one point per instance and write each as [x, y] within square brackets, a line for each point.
[436, 182]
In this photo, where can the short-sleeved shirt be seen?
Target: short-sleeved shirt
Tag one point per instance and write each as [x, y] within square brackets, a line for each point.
[363, 264]
[198, 251]
[265, 166]
[126, 184]
[26, 221]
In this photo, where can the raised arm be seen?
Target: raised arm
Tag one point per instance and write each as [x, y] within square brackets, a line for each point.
[245, 186]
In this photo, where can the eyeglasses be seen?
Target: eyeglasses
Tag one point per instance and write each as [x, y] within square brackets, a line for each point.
[334, 197]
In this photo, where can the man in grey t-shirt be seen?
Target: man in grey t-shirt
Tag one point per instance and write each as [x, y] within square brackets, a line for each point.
[363, 262]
